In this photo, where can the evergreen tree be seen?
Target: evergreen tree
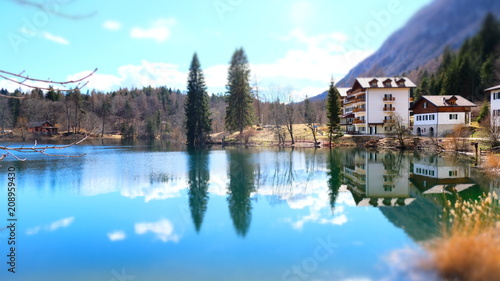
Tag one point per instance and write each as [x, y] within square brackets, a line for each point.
[333, 110]
[484, 112]
[240, 111]
[198, 123]
[309, 114]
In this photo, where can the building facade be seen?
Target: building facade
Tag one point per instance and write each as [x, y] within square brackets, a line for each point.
[440, 115]
[494, 104]
[371, 102]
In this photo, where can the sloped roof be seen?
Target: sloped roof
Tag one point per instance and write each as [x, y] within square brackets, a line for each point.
[493, 88]
[440, 101]
[343, 91]
[365, 82]
[38, 124]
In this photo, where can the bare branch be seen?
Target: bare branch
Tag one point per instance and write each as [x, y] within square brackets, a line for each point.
[41, 150]
[5, 75]
[42, 7]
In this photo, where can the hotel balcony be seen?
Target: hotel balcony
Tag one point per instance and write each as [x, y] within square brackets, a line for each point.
[359, 110]
[386, 121]
[363, 99]
[358, 121]
[389, 109]
[389, 98]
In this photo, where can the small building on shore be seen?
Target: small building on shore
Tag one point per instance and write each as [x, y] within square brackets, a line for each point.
[42, 128]
[440, 115]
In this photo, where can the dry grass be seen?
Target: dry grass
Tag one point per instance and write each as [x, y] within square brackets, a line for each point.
[492, 161]
[470, 246]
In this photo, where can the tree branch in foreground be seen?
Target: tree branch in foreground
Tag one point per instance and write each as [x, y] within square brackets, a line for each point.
[45, 7]
[9, 76]
[34, 149]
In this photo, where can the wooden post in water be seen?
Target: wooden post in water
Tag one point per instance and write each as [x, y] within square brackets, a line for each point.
[476, 146]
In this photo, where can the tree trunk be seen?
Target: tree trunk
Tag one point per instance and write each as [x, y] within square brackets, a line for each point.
[103, 122]
[290, 131]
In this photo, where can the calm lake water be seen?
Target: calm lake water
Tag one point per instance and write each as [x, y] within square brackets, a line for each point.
[140, 212]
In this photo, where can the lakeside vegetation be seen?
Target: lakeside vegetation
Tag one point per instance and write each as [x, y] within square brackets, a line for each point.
[469, 248]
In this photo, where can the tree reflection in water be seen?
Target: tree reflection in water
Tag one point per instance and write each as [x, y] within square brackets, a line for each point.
[241, 184]
[198, 178]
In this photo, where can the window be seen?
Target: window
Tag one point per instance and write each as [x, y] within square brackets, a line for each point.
[425, 105]
[453, 116]
[453, 173]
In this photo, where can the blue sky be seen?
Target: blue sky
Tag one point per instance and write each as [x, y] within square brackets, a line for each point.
[298, 44]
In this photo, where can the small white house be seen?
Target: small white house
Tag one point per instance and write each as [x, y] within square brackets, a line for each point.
[440, 115]
[494, 104]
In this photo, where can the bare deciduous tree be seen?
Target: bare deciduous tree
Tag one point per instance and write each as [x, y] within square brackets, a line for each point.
[284, 108]
[397, 129]
[491, 129]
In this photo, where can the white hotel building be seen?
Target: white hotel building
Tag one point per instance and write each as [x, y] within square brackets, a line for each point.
[371, 101]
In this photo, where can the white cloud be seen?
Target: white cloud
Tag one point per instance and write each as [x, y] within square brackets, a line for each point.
[112, 25]
[29, 33]
[116, 235]
[53, 226]
[159, 31]
[163, 230]
[307, 68]
[33, 230]
[61, 223]
[146, 74]
[319, 209]
[159, 192]
[406, 264]
[54, 38]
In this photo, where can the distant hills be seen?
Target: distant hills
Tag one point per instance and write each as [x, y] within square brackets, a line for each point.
[424, 37]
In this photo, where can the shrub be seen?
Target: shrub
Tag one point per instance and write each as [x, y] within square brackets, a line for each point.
[470, 246]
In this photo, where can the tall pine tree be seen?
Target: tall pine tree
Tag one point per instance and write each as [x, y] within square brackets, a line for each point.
[198, 123]
[239, 111]
[333, 110]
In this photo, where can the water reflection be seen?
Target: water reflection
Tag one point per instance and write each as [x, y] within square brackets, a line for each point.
[438, 175]
[240, 187]
[198, 178]
[334, 175]
[378, 178]
[146, 202]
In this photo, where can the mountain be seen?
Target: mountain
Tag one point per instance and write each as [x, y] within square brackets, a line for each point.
[424, 37]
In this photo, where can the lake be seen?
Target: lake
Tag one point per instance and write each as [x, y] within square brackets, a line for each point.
[154, 212]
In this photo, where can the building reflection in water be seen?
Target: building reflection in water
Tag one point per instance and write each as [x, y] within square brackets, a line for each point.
[378, 179]
[395, 179]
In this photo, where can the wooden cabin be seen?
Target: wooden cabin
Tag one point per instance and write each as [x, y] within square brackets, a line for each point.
[42, 128]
